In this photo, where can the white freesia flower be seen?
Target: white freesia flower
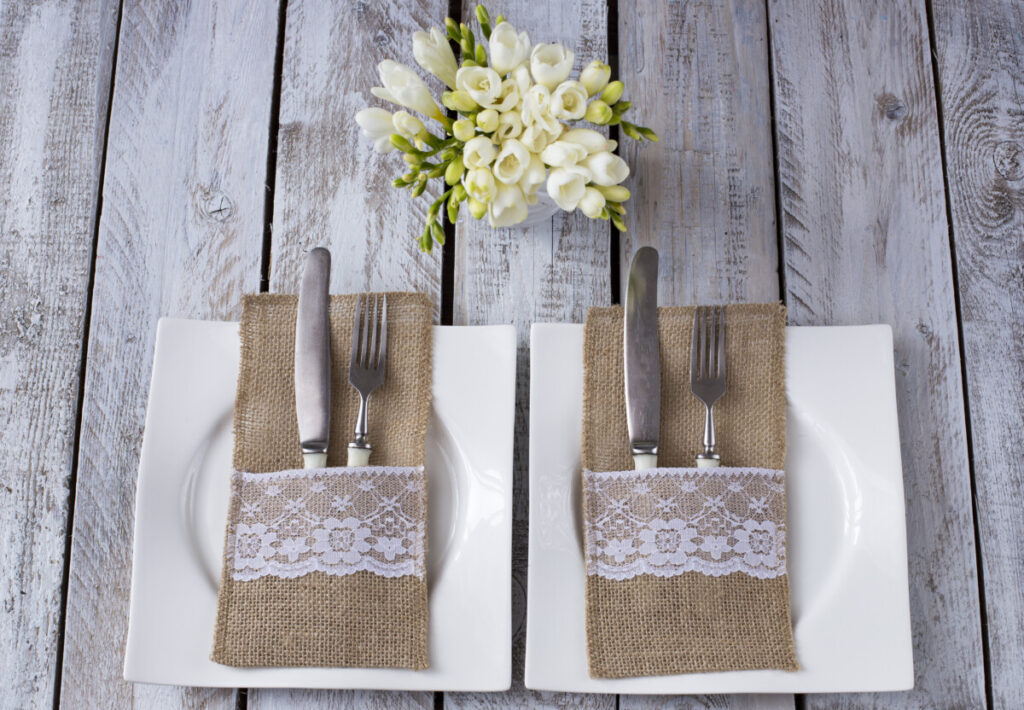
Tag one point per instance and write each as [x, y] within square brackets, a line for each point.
[378, 127]
[508, 49]
[606, 168]
[533, 178]
[409, 126]
[535, 138]
[562, 154]
[591, 140]
[478, 152]
[403, 86]
[592, 203]
[521, 76]
[434, 54]
[508, 207]
[550, 64]
[464, 129]
[510, 125]
[507, 98]
[566, 187]
[480, 185]
[569, 101]
[536, 104]
[595, 77]
[487, 120]
[482, 83]
[511, 162]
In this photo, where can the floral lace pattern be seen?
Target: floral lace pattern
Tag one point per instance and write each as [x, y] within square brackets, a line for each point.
[334, 520]
[667, 521]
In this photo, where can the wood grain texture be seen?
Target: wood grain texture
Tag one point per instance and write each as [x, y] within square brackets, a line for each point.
[703, 195]
[865, 239]
[180, 234]
[55, 65]
[980, 55]
[697, 73]
[549, 273]
[333, 190]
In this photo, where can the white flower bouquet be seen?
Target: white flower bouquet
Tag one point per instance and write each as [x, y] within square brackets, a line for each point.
[512, 129]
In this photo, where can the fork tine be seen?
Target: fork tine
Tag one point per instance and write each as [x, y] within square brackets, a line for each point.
[371, 358]
[695, 346]
[365, 338]
[712, 370]
[720, 372]
[382, 360]
[354, 360]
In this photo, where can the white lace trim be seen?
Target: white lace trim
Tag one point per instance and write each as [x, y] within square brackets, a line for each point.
[667, 521]
[333, 520]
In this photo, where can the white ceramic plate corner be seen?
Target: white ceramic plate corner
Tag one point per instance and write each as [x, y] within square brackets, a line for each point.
[846, 519]
[181, 505]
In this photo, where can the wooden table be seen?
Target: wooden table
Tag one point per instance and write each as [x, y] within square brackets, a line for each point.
[860, 161]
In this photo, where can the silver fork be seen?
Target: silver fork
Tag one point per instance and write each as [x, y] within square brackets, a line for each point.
[367, 366]
[707, 372]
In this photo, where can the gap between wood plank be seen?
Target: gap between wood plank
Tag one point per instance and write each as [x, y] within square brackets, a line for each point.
[940, 120]
[275, 125]
[615, 246]
[80, 401]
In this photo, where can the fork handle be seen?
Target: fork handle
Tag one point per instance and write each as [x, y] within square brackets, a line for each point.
[708, 462]
[358, 456]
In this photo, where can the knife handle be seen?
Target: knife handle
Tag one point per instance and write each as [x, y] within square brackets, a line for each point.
[314, 460]
[645, 461]
[358, 456]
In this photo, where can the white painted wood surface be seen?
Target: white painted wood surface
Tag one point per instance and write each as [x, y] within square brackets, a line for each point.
[703, 195]
[333, 190]
[180, 234]
[980, 59]
[866, 240]
[55, 61]
[549, 273]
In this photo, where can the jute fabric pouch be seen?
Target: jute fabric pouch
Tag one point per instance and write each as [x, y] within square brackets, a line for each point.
[326, 567]
[686, 568]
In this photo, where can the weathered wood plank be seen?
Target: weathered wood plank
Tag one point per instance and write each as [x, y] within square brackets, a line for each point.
[980, 54]
[703, 195]
[332, 190]
[865, 239]
[180, 234]
[697, 73]
[55, 66]
[552, 272]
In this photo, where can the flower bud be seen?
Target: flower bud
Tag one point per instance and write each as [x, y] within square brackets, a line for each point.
[453, 173]
[463, 129]
[459, 193]
[476, 208]
[458, 101]
[598, 112]
[614, 193]
[401, 143]
[613, 92]
[484, 19]
[592, 203]
[487, 120]
[453, 28]
[595, 77]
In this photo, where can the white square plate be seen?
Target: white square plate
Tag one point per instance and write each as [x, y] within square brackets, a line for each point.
[182, 499]
[846, 521]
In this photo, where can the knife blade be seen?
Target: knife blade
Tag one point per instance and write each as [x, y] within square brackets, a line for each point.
[642, 361]
[313, 359]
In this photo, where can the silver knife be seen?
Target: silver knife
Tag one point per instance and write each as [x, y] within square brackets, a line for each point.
[643, 365]
[313, 359]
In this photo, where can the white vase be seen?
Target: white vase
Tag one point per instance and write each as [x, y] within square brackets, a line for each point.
[540, 212]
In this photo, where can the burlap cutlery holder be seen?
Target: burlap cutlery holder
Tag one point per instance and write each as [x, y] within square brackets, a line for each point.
[277, 606]
[672, 585]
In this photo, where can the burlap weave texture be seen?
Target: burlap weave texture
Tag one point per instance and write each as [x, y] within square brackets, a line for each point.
[358, 620]
[692, 622]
